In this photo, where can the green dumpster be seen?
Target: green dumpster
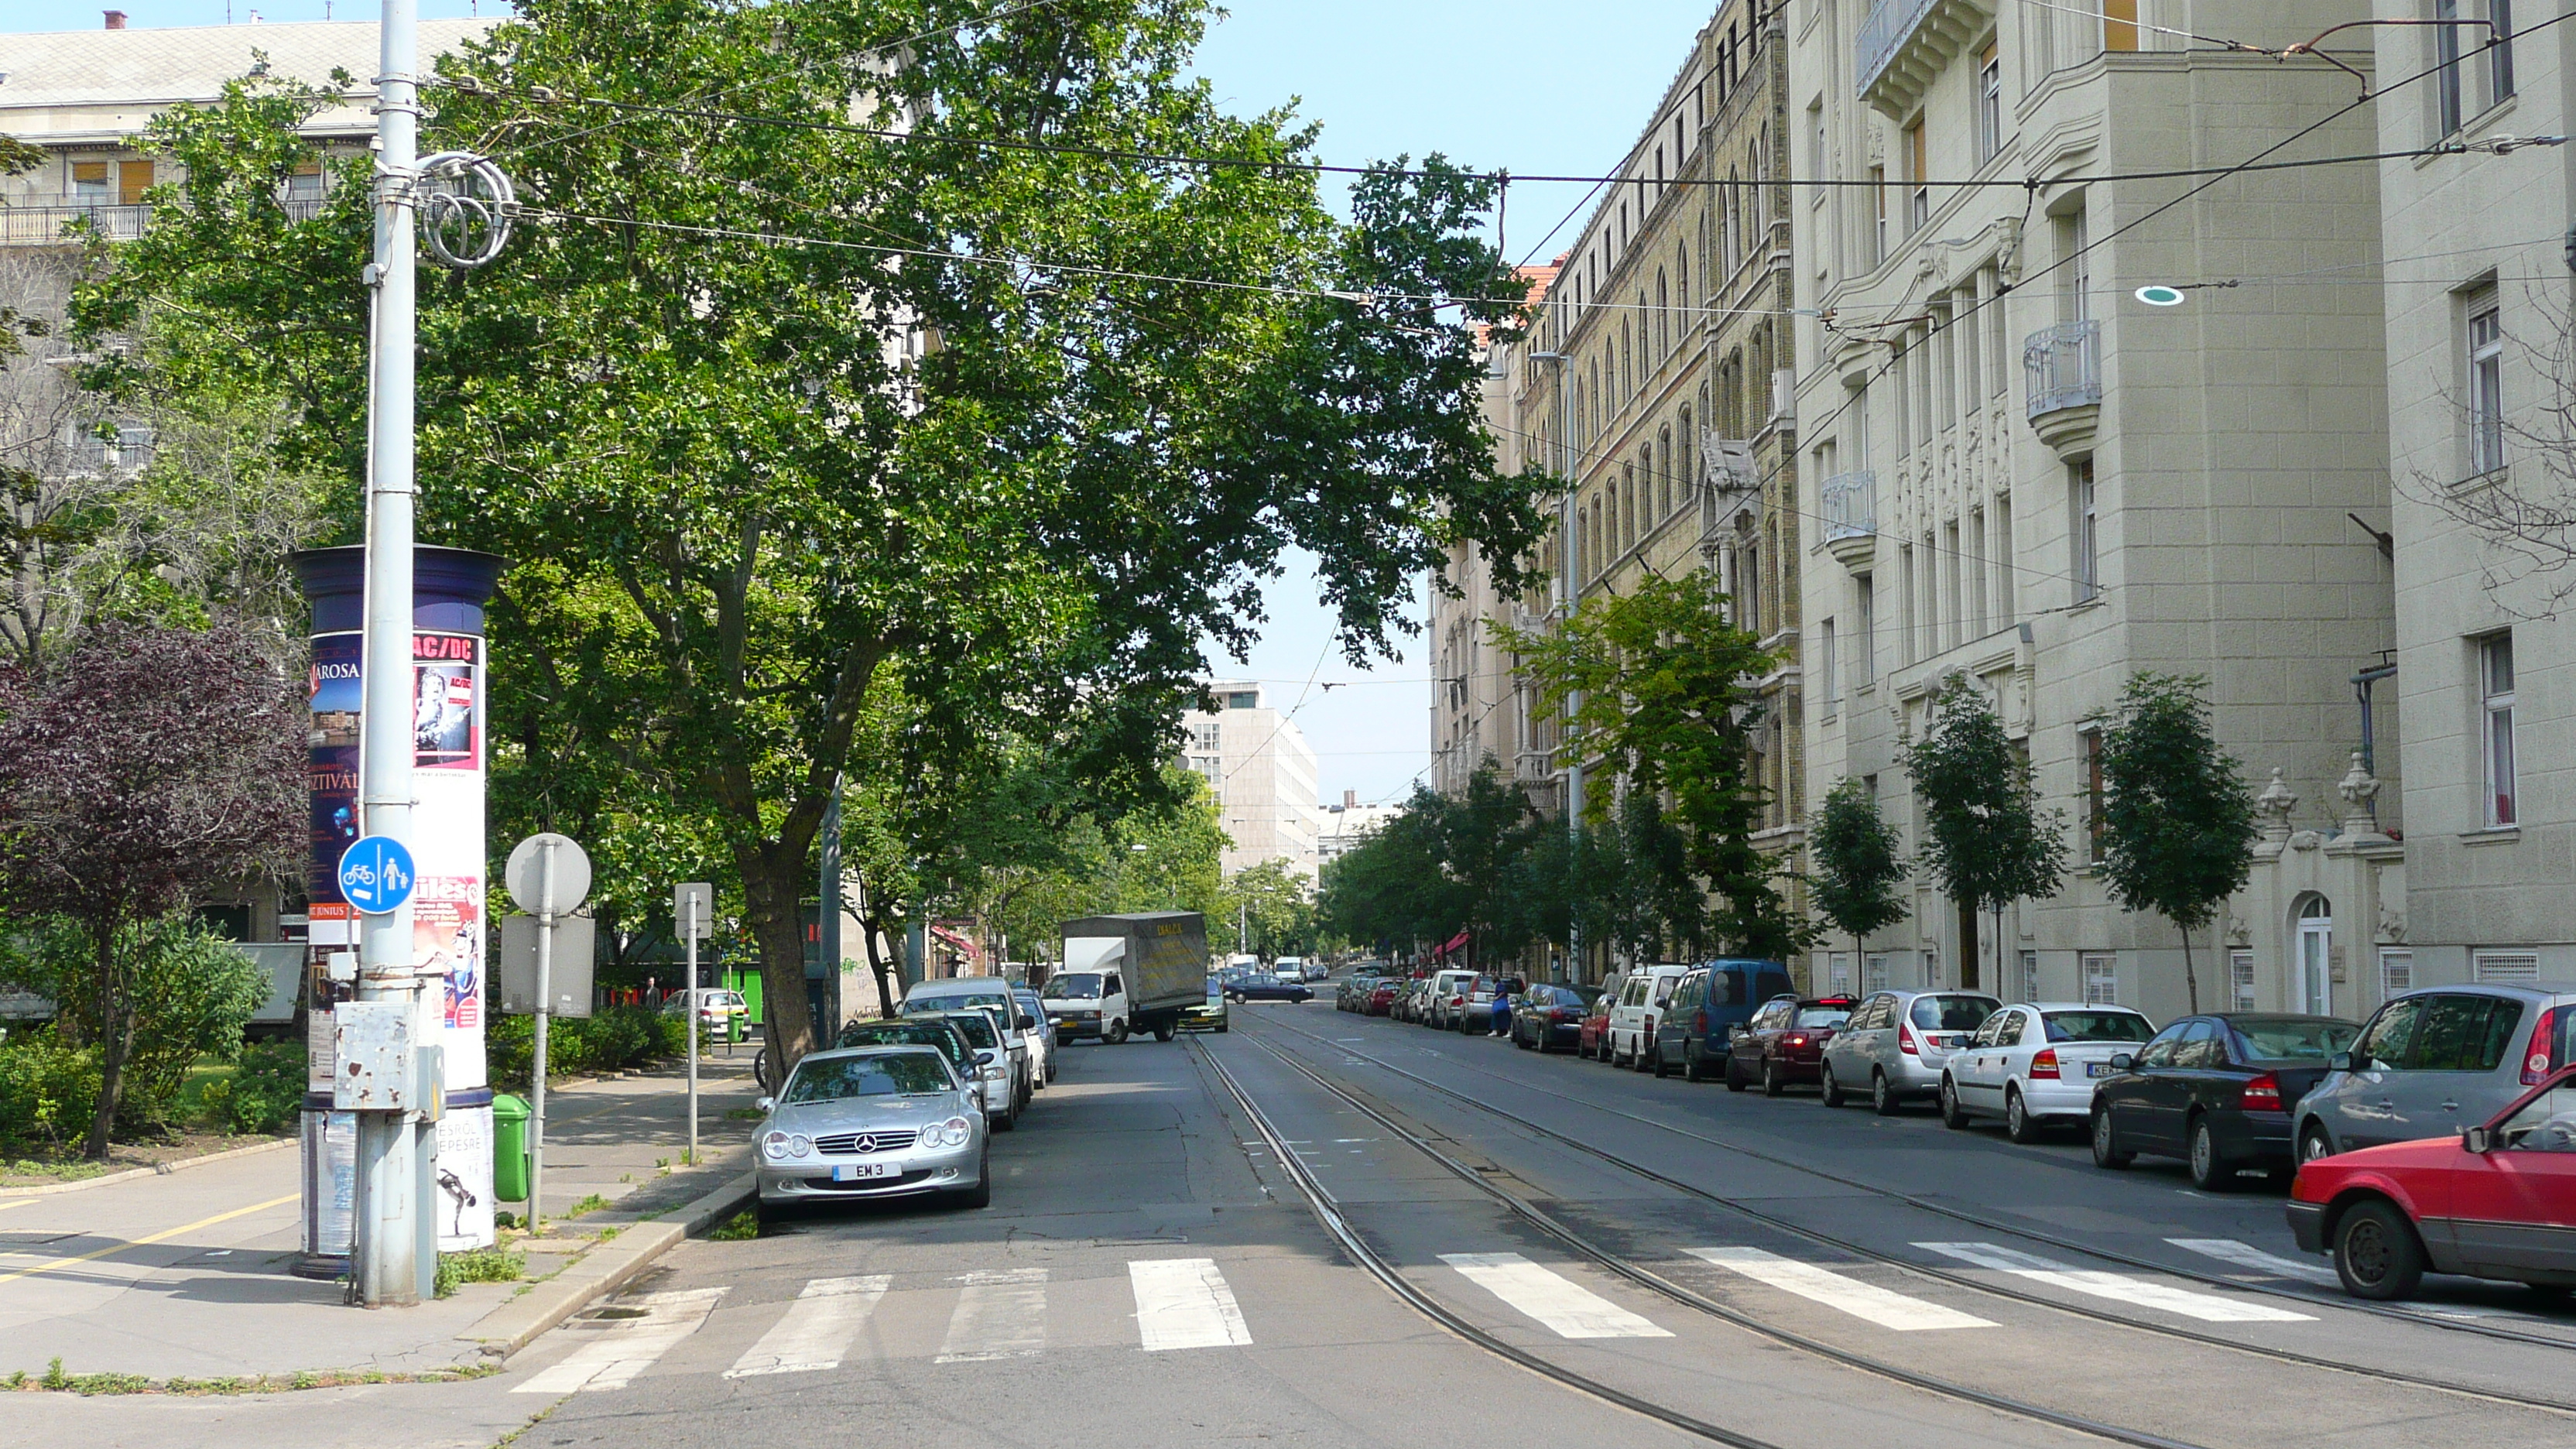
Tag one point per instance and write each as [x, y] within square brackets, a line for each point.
[509, 1148]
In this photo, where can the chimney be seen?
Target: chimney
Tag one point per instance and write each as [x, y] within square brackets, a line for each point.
[115, 20]
[1350, 799]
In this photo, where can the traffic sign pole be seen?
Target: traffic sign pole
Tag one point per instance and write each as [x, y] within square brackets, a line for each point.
[690, 1012]
[545, 914]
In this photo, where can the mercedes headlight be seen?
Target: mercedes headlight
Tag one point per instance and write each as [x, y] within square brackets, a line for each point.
[779, 1146]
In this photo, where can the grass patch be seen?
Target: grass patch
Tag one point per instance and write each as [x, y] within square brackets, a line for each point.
[742, 1114]
[481, 1265]
[741, 1227]
[590, 1204]
[56, 1380]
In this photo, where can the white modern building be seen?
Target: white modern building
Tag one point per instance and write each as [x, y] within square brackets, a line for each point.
[1262, 773]
[1341, 829]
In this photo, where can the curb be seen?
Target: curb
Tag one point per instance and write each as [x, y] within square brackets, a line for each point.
[602, 1271]
[158, 1170]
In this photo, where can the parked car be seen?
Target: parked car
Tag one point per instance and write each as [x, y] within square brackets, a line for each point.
[1382, 995]
[1042, 1036]
[1896, 1043]
[722, 1013]
[2496, 1201]
[1268, 988]
[1414, 1000]
[1643, 995]
[1784, 1043]
[928, 1031]
[1594, 1043]
[984, 993]
[1548, 1017]
[1353, 993]
[1448, 994]
[872, 1122]
[1210, 1014]
[2216, 1091]
[2437, 1059]
[1290, 968]
[1477, 1013]
[1004, 1077]
[1698, 1029]
[2034, 1065]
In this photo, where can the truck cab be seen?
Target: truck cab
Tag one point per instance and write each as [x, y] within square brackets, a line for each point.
[1087, 1005]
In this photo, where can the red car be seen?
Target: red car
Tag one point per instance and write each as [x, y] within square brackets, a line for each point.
[1784, 1043]
[1381, 998]
[1592, 1039]
[2496, 1201]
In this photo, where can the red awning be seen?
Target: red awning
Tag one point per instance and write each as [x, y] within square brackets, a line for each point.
[1455, 942]
[958, 941]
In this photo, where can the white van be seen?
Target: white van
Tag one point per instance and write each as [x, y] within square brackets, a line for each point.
[1448, 998]
[1642, 999]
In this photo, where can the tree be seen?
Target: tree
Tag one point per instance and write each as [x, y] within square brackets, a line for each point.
[2178, 820]
[948, 380]
[1275, 904]
[146, 768]
[1986, 838]
[1654, 684]
[1857, 867]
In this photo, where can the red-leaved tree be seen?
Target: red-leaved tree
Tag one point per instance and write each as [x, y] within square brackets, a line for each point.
[143, 768]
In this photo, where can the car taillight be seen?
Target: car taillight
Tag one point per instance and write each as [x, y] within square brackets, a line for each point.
[1699, 1023]
[2536, 1057]
[1797, 1041]
[2043, 1068]
[2263, 1094]
[1905, 1041]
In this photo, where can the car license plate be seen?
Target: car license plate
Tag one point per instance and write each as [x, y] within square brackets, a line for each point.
[861, 1171]
[2097, 1069]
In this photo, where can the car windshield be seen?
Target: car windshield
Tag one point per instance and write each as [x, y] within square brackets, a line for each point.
[959, 1001]
[2097, 1026]
[976, 1027]
[833, 1079]
[1815, 1016]
[900, 1033]
[2293, 1039]
[1074, 986]
[1953, 1013]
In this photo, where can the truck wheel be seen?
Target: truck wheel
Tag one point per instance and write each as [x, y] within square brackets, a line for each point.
[1163, 1031]
[1118, 1034]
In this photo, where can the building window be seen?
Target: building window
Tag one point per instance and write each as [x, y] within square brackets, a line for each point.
[1990, 104]
[1931, 968]
[1865, 634]
[2486, 386]
[1878, 201]
[2500, 55]
[89, 183]
[2240, 978]
[2101, 979]
[1204, 737]
[2084, 537]
[2075, 268]
[1918, 172]
[1838, 973]
[2505, 967]
[1243, 699]
[1825, 650]
[2495, 690]
[2446, 60]
[1873, 971]
[133, 178]
[2088, 784]
[2119, 24]
[2030, 975]
[2396, 973]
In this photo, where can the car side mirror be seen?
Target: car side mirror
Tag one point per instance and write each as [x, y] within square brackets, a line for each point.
[1028, 1022]
[2122, 1061]
[984, 1056]
[2477, 1140]
[765, 1105]
[2344, 1062]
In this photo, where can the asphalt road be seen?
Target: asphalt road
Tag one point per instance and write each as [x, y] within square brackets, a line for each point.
[1150, 1273]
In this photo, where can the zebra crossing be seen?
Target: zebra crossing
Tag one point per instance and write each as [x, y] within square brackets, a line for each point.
[1183, 1304]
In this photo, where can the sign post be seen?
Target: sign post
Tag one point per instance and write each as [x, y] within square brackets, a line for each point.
[376, 876]
[692, 902]
[548, 876]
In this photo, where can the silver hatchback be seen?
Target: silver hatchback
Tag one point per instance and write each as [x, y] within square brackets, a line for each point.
[1896, 1043]
[2437, 1059]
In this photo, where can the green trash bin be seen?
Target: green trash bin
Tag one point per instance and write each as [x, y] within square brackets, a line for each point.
[509, 1148]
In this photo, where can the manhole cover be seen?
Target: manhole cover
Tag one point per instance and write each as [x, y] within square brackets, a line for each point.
[603, 1314]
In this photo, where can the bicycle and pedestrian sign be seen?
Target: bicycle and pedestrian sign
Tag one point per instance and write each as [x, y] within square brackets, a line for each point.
[376, 875]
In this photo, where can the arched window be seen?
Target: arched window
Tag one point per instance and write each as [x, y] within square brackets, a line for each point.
[1690, 476]
[1663, 316]
[1646, 476]
[1624, 357]
[1664, 450]
[1681, 291]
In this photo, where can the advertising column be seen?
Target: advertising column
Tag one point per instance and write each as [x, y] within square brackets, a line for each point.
[450, 587]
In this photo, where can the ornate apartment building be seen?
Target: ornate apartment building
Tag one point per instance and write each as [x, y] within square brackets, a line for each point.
[2034, 477]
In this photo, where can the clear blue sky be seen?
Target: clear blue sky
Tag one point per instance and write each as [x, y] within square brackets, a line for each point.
[1489, 83]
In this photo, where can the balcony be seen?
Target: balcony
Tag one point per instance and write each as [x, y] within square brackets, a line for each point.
[1904, 44]
[1849, 502]
[2063, 369]
[39, 220]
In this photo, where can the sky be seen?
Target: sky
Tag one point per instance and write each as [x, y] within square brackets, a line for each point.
[1487, 83]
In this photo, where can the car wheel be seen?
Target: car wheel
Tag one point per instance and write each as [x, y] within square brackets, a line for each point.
[2106, 1142]
[1662, 1069]
[981, 1194]
[1734, 1078]
[2314, 1143]
[2209, 1171]
[1051, 1064]
[1830, 1092]
[1882, 1097]
[766, 1215]
[1694, 1066]
[1953, 1116]
[2019, 1125]
[2376, 1252]
[1772, 1086]
[1637, 1059]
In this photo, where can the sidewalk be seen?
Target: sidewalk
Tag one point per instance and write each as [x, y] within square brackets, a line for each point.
[186, 1275]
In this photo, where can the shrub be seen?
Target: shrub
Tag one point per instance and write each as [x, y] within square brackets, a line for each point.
[611, 1038]
[191, 992]
[48, 1091]
[266, 1091]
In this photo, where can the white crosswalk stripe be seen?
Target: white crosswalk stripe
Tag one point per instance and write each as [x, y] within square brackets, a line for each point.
[623, 1348]
[1185, 1303]
[1878, 1305]
[2246, 1255]
[817, 1330]
[1563, 1305]
[999, 1315]
[2118, 1287]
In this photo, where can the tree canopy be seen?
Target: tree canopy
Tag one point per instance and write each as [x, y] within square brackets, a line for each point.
[2178, 819]
[1986, 838]
[1856, 854]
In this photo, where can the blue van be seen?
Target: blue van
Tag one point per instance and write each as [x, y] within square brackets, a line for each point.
[1707, 1006]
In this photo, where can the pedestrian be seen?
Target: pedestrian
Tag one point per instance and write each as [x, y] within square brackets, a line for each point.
[1502, 1012]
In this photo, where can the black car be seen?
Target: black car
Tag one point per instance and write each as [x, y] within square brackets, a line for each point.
[1254, 986]
[2218, 1091]
[1548, 1018]
[913, 1031]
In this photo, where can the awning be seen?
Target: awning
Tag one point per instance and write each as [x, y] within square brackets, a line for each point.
[1455, 942]
[958, 941]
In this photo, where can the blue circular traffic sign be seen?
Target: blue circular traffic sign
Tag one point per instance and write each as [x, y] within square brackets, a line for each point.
[376, 874]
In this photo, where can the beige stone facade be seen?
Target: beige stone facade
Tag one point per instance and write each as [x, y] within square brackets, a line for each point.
[2028, 476]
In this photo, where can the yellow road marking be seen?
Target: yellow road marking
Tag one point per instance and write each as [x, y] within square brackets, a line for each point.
[146, 1241]
[8, 1203]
